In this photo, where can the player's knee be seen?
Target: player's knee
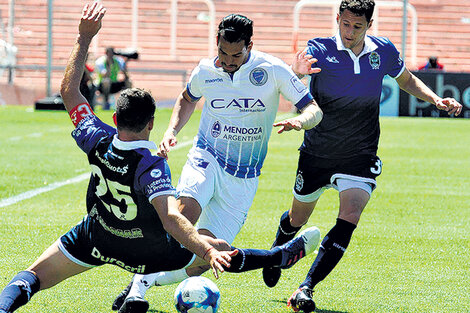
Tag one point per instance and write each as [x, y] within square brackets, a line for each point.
[300, 213]
[351, 214]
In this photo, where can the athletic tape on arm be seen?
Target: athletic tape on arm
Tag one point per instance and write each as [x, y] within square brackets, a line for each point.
[311, 116]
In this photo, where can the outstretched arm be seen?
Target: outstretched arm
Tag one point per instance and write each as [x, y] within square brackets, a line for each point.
[415, 86]
[90, 24]
[182, 111]
[309, 117]
[180, 228]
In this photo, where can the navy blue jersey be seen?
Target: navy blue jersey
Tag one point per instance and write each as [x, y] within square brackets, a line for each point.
[123, 224]
[348, 91]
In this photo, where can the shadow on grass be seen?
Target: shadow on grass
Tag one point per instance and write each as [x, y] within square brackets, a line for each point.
[156, 311]
[316, 311]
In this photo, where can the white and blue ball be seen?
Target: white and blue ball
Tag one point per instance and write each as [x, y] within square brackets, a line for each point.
[197, 295]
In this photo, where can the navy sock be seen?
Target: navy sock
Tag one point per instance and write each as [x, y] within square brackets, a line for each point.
[331, 251]
[18, 292]
[251, 259]
[286, 231]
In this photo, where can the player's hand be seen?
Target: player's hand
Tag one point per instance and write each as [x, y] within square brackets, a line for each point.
[90, 22]
[450, 105]
[289, 124]
[219, 259]
[302, 64]
[169, 140]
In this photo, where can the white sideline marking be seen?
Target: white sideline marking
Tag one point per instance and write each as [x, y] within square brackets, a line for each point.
[33, 135]
[79, 178]
[37, 191]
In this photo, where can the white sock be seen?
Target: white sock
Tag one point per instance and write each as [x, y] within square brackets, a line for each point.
[168, 278]
[141, 283]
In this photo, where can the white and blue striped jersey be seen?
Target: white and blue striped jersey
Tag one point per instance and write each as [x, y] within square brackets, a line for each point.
[240, 109]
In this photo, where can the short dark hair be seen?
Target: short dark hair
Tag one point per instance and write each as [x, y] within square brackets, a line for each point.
[236, 27]
[358, 7]
[134, 109]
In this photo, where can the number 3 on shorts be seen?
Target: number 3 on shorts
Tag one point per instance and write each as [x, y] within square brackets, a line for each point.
[377, 168]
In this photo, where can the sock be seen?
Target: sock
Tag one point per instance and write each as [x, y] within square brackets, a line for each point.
[331, 251]
[19, 291]
[142, 283]
[251, 259]
[286, 231]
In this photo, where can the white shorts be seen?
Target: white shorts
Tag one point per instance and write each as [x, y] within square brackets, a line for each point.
[224, 199]
[340, 184]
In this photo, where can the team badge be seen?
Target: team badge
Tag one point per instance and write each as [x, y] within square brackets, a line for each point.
[299, 182]
[215, 131]
[156, 173]
[258, 76]
[374, 60]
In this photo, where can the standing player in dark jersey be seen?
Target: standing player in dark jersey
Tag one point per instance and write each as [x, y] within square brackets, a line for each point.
[341, 151]
[133, 219]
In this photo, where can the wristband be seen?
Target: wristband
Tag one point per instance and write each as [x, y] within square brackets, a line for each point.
[79, 112]
[207, 252]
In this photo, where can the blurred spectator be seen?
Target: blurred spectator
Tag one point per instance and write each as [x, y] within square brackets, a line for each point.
[109, 81]
[432, 64]
[87, 87]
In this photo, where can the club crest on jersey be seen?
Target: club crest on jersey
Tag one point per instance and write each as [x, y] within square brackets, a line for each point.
[216, 129]
[374, 60]
[155, 173]
[258, 76]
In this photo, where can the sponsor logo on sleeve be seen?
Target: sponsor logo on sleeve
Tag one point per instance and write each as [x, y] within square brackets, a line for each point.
[297, 84]
[161, 184]
[155, 173]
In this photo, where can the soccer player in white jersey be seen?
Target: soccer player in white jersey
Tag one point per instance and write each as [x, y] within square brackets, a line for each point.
[219, 180]
[342, 151]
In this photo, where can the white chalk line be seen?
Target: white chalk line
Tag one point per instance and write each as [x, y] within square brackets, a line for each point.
[34, 192]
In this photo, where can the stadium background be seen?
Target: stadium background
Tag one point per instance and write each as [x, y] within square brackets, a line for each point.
[443, 30]
[411, 251]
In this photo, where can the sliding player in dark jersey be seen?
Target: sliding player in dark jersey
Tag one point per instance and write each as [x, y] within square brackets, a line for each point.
[133, 219]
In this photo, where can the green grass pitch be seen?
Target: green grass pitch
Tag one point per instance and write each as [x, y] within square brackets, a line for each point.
[410, 253]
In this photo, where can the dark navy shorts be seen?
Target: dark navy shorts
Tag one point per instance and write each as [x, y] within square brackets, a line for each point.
[88, 245]
[314, 175]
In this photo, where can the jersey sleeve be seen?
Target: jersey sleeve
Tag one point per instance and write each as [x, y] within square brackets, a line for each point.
[193, 86]
[89, 131]
[291, 87]
[156, 180]
[395, 64]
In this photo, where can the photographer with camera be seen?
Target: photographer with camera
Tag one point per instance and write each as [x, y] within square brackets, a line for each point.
[108, 69]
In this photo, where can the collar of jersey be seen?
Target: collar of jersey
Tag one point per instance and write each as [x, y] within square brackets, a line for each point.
[369, 45]
[132, 145]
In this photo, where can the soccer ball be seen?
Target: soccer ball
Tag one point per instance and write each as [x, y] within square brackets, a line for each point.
[197, 295]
